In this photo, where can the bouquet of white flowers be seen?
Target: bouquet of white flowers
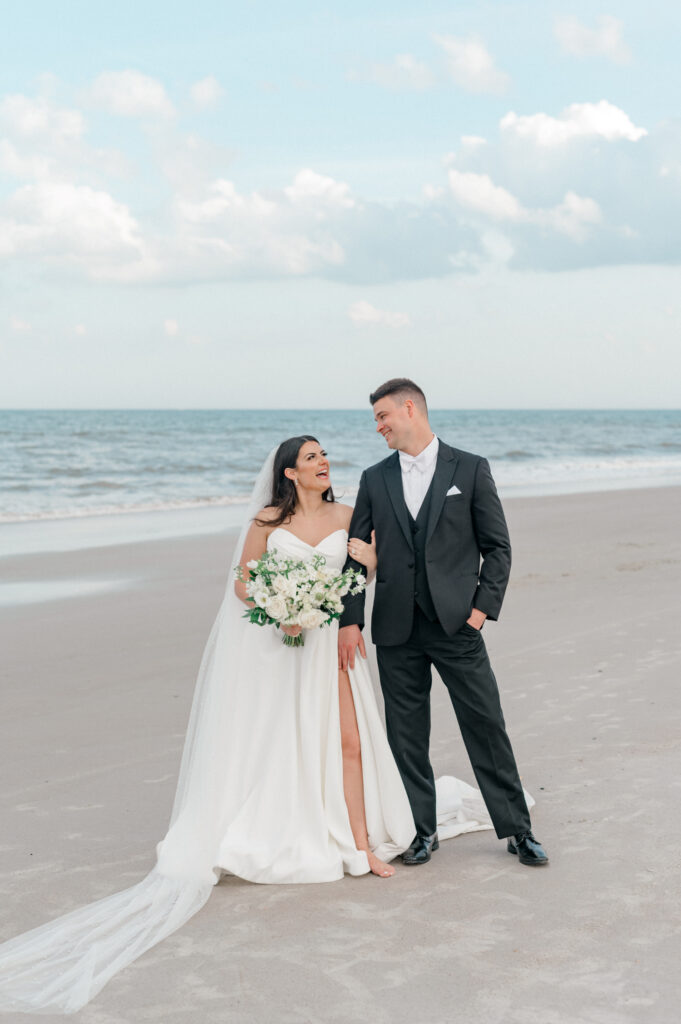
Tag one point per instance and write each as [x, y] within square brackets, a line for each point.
[285, 592]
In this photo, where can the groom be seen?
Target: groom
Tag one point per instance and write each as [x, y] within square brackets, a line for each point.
[436, 513]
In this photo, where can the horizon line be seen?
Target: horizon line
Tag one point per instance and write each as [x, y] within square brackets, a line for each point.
[326, 409]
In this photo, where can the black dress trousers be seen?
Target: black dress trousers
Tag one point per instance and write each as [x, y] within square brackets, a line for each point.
[464, 666]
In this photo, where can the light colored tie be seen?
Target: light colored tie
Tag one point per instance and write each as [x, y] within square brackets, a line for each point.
[409, 462]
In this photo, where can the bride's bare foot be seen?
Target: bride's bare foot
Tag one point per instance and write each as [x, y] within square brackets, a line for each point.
[379, 867]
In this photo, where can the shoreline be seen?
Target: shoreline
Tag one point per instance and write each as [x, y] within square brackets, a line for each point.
[94, 571]
[20, 538]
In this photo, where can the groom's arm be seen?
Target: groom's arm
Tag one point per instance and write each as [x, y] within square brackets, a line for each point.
[352, 620]
[361, 526]
[489, 525]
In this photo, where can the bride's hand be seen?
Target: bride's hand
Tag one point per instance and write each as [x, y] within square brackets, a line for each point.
[364, 553]
[291, 630]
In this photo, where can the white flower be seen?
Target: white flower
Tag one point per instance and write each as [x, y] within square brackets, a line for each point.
[312, 618]
[260, 596]
[275, 607]
[253, 564]
[285, 587]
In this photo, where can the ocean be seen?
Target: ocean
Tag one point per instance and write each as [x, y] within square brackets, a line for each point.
[64, 464]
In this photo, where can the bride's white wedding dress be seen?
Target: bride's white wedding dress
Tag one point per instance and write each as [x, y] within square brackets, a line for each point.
[285, 814]
[260, 795]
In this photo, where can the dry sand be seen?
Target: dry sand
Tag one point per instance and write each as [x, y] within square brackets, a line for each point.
[95, 699]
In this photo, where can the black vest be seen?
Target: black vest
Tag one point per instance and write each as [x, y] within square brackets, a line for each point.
[422, 594]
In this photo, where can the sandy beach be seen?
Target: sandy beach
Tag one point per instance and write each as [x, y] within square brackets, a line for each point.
[99, 656]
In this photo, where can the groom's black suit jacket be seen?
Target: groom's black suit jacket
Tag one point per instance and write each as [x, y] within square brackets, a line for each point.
[461, 529]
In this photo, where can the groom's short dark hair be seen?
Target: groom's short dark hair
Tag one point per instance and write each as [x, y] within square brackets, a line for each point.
[400, 388]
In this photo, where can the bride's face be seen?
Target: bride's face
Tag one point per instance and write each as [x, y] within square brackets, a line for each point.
[312, 468]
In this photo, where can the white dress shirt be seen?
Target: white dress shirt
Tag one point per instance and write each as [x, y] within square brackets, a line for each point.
[417, 473]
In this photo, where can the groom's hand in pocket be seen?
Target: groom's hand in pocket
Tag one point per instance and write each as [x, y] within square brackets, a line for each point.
[476, 618]
[349, 639]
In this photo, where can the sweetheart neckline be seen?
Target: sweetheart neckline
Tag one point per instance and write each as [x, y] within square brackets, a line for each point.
[341, 529]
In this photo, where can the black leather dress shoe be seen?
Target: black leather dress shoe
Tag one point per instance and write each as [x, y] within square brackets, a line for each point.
[420, 850]
[529, 850]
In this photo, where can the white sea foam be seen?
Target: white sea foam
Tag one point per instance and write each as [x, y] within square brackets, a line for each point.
[192, 471]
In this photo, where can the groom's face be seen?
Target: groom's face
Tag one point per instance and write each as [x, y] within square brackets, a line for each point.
[392, 421]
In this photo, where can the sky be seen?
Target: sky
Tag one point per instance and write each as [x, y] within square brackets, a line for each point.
[242, 205]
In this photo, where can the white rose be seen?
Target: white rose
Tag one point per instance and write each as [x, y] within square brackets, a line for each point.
[253, 564]
[311, 618]
[285, 587]
[275, 607]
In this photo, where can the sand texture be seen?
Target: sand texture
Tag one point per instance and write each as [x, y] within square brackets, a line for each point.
[95, 697]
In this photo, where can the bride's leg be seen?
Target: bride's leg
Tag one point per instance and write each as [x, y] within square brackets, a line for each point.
[353, 781]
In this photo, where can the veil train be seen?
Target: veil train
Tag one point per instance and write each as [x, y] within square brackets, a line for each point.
[60, 966]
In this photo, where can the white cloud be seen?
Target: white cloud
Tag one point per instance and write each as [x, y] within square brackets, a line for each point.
[473, 141]
[206, 92]
[42, 141]
[285, 232]
[574, 216]
[171, 327]
[73, 223]
[16, 164]
[310, 186]
[472, 66]
[404, 73]
[18, 325]
[606, 40]
[129, 93]
[478, 192]
[579, 120]
[363, 313]
[38, 119]
[37, 136]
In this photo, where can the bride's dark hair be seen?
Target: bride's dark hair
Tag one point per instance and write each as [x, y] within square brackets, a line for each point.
[283, 497]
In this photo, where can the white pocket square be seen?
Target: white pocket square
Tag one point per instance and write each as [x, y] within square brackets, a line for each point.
[452, 490]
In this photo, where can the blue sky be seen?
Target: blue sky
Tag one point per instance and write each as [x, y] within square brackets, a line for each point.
[251, 204]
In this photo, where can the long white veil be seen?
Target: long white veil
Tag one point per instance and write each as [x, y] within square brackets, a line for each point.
[60, 966]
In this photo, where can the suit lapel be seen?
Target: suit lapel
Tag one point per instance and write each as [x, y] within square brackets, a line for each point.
[393, 482]
[442, 478]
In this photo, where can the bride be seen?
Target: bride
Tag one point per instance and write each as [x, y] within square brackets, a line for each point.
[286, 773]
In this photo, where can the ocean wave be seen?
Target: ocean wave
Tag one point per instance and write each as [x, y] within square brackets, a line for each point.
[114, 510]
[516, 453]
